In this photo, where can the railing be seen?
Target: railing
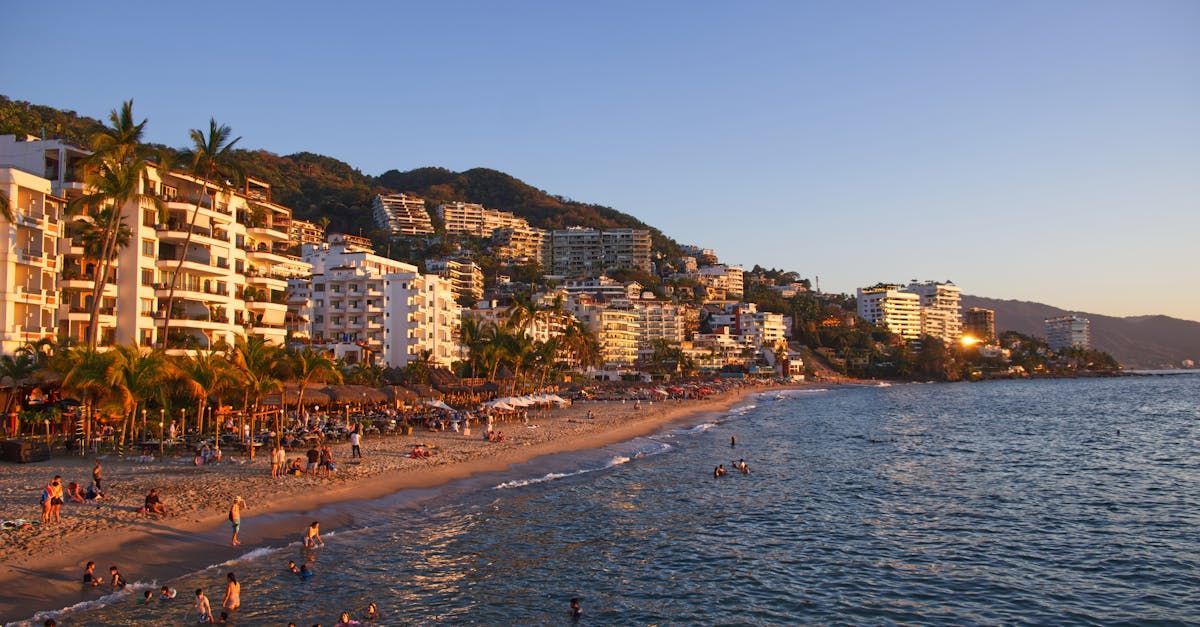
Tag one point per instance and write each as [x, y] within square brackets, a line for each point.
[216, 291]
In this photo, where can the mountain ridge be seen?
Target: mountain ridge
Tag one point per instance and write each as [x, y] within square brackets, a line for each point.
[1144, 341]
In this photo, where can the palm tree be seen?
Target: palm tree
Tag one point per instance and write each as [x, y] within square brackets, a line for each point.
[6, 211]
[91, 379]
[119, 165]
[18, 369]
[211, 155]
[142, 376]
[309, 366]
[257, 364]
[205, 374]
[581, 345]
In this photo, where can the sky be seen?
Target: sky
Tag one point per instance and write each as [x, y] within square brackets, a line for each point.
[1045, 151]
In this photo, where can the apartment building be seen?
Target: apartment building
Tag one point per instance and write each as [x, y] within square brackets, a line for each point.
[941, 309]
[1068, 332]
[604, 287]
[522, 244]
[423, 320]
[466, 218]
[465, 276]
[660, 320]
[551, 324]
[890, 307]
[590, 252]
[720, 282]
[232, 262]
[753, 328]
[29, 270]
[980, 323]
[616, 329]
[402, 214]
[305, 232]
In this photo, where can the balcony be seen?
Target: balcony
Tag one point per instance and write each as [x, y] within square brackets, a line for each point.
[162, 290]
[31, 256]
[268, 233]
[195, 263]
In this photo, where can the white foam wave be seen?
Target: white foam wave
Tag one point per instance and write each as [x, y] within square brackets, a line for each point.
[520, 483]
[84, 606]
[250, 556]
[700, 428]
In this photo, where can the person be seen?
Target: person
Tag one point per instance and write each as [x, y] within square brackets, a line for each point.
[314, 456]
[235, 518]
[89, 575]
[154, 504]
[97, 471]
[732, 441]
[75, 492]
[591, 414]
[326, 465]
[312, 537]
[278, 458]
[173, 431]
[742, 466]
[292, 567]
[305, 571]
[233, 593]
[147, 597]
[54, 492]
[576, 610]
[50, 622]
[345, 621]
[716, 472]
[93, 493]
[355, 445]
[203, 607]
[115, 578]
[372, 612]
[166, 594]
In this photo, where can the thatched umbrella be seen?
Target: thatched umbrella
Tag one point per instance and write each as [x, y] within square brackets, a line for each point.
[399, 394]
[314, 394]
[424, 391]
[355, 394]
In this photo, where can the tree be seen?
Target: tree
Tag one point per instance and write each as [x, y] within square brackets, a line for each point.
[581, 345]
[91, 380]
[257, 364]
[6, 211]
[142, 376]
[309, 366]
[212, 160]
[206, 374]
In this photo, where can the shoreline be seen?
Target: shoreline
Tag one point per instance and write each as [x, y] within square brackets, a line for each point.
[161, 550]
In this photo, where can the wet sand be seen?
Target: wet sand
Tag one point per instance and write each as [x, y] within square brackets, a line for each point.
[40, 568]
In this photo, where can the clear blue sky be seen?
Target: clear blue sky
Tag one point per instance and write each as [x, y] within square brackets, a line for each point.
[1043, 150]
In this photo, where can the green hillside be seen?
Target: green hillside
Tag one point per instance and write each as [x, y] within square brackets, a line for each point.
[316, 186]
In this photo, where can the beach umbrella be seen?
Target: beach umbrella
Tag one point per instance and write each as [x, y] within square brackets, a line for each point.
[399, 393]
[424, 391]
[439, 404]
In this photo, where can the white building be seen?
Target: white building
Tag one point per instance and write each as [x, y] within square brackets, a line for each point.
[472, 219]
[231, 275]
[29, 270]
[423, 320]
[1067, 332]
[616, 329]
[402, 214]
[465, 276]
[523, 244]
[889, 306]
[941, 310]
[590, 252]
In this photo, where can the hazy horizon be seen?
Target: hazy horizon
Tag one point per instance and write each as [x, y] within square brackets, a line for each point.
[1025, 151]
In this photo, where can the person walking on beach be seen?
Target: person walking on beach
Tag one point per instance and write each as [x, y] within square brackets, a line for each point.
[203, 607]
[97, 479]
[235, 518]
[312, 537]
[233, 594]
[355, 445]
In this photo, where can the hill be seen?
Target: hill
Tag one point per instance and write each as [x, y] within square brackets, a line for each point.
[1136, 341]
[316, 186]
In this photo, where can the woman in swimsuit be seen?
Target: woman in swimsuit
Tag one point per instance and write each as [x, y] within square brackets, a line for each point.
[233, 594]
[312, 537]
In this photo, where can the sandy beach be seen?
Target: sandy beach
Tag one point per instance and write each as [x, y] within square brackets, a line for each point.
[40, 567]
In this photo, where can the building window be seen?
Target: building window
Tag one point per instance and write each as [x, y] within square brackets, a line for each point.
[148, 247]
[148, 277]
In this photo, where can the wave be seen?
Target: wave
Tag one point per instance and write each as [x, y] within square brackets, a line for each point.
[84, 606]
[251, 555]
[700, 428]
[614, 461]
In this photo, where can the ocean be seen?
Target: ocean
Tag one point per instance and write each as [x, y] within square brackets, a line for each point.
[1055, 501]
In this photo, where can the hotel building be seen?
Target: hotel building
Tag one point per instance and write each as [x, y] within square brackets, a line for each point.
[305, 232]
[402, 214]
[231, 274]
[1068, 332]
[465, 276]
[941, 310]
[29, 296]
[589, 252]
[890, 307]
[423, 318]
[471, 219]
[980, 323]
[616, 329]
[522, 244]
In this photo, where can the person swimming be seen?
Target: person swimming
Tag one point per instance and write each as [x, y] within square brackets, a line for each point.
[305, 571]
[147, 598]
[293, 568]
[576, 609]
[372, 612]
[732, 441]
[166, 594]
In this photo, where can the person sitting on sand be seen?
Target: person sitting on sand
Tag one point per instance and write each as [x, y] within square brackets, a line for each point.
[203, 607]
[89, 575]
[312, 536]
[154, 504]
[74, 492]
[115, 579]
[93, 493]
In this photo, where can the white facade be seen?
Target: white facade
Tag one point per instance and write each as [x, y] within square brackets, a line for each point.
[941, 310]
[616, 329]
[473, 219]
[1067, 332]
[523, 244]
[590, 252]
[29, 270]
[402, 214]
[465, 276]
[888, 306]
[423, 318]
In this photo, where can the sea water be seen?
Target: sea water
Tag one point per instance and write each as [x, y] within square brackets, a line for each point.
[1057, 501]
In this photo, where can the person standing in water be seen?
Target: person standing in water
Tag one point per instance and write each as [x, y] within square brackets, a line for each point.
[233, 594]
[732, 441]
[203, 607]
[312, 537]
[235, 518]
[576, 610]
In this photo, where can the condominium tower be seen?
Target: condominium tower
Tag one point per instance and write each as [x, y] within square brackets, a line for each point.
[402, 214]
[1068, 332]
[590, 252]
